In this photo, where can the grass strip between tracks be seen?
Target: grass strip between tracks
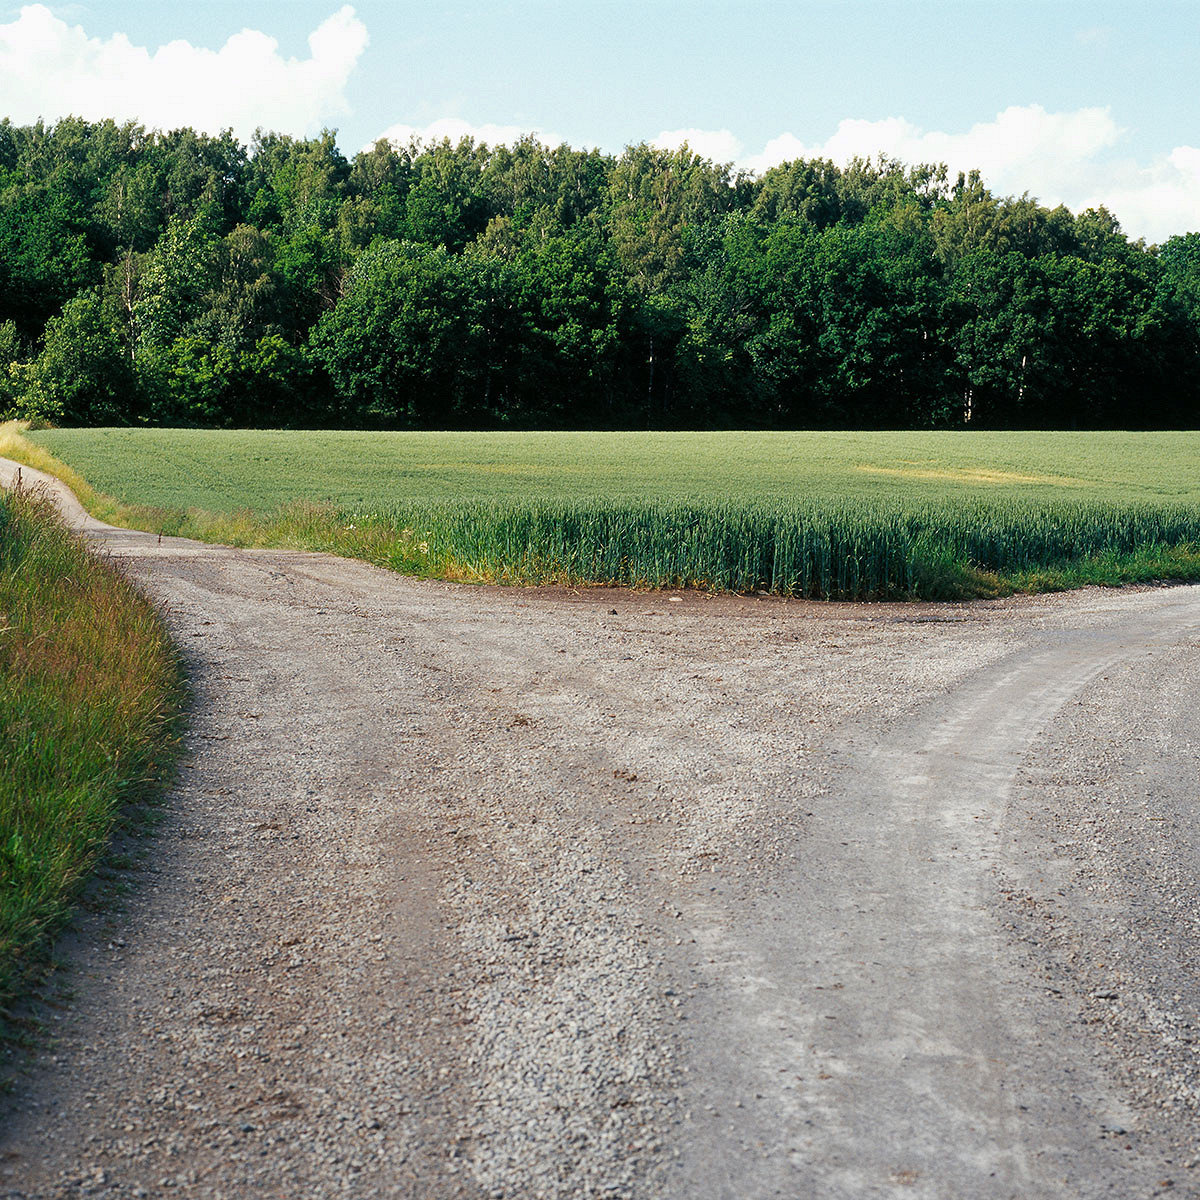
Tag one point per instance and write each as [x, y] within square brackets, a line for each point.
[910, 542]
[90, 701]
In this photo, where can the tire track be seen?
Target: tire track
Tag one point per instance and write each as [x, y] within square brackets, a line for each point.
[883, 1035]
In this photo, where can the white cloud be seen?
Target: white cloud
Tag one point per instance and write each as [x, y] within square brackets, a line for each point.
[1069, 158]
[456, 129]
[719, 145]
[1023, 149]
[1154, 201]
[51, 69]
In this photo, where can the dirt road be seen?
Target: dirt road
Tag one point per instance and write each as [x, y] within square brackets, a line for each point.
[495, 893]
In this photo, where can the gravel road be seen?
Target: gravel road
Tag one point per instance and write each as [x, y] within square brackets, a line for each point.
[477, 892]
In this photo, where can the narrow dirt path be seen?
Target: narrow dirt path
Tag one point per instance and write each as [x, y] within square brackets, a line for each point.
[479, 892]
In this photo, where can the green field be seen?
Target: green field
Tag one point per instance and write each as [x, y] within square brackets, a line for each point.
[854, 515]
[225, 470]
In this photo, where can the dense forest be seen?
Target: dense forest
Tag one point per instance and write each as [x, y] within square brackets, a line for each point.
[179, 278]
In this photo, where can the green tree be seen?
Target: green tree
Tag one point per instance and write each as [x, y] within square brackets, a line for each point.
[655, 196]
[1179, 259]
[380, 179]
[295, 183]
[445, 205]
[177, 278]
[545, 191]
[44, 258]
[18, 401]
[804, 189]
[573, 322]
[726, 367]
[1004, 337]
[84, 371]
[1114, 346]
[395, 344]
[879, 313]
[866, 186]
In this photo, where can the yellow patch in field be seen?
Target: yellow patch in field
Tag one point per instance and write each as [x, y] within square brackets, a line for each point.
[970, 475]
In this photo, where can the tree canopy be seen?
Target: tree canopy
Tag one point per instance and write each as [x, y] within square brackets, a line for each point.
[188, 279]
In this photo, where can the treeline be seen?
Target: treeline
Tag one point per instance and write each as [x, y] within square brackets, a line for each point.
[178, 278]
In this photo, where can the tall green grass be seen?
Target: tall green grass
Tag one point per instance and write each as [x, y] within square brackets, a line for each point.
[849, 552]
[853, 551]
[89, 699]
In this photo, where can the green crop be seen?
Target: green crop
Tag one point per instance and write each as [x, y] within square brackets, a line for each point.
[830, 515]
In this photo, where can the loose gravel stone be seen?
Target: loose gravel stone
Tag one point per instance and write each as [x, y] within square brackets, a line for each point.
[479, 892]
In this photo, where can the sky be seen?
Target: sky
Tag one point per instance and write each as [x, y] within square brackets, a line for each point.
[1080, 102]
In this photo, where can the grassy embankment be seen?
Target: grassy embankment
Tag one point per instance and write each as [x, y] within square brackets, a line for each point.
[90, 693]
[834, 515]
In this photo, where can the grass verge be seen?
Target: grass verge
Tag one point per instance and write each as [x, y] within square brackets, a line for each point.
[90, 697]
[909, 544]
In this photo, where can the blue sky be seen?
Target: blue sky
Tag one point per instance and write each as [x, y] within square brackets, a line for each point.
[1080, 103]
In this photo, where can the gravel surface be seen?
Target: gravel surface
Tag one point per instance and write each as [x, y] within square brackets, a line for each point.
[475, 892]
